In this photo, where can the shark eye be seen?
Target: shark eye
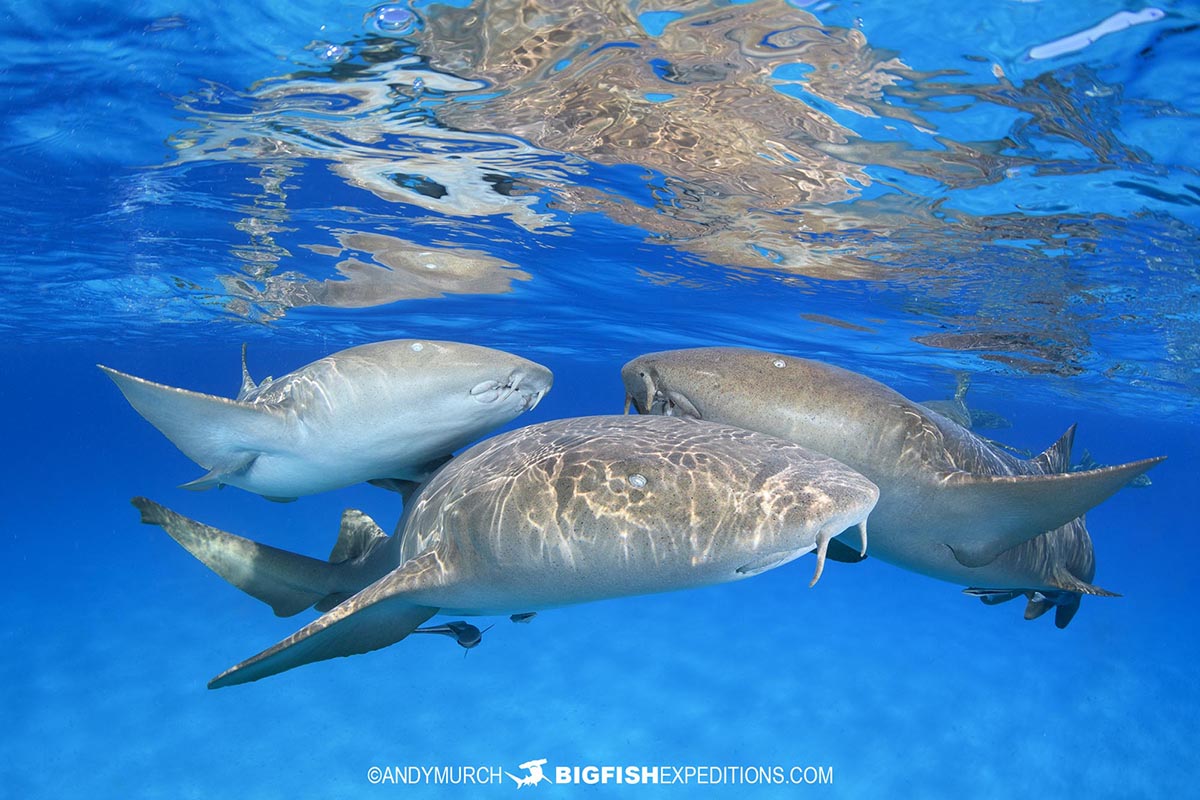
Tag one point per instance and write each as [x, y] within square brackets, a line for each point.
[779, 362]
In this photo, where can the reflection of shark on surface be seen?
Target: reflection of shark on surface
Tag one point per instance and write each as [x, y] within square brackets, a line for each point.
[535, 776]
[956, 409]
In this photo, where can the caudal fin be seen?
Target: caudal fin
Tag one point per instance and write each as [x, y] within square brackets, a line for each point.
[287, 582]
[221, 435]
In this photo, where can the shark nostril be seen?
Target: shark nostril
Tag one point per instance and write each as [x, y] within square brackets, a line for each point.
[484, 388]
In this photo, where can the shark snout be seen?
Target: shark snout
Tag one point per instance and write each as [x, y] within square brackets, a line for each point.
[640, 385]
[644, 390]
[533, 383]
[530, 384]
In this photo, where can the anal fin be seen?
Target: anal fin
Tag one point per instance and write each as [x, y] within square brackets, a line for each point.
[1064, 580]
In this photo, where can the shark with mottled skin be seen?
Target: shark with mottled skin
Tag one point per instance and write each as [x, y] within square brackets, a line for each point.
[554, 514]
[951, 505]
[389, 411]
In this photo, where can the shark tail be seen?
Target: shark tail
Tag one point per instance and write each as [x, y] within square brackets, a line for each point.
[288, 582]
[221, 435]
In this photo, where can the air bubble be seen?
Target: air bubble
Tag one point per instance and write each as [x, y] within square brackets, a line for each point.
[330, 53]
[637, 480]
[391, 19]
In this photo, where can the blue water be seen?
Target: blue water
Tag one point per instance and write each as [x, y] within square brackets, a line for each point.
[901, 189]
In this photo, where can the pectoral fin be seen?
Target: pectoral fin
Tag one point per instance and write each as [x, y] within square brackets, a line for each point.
[1038, 604]
[375, 617]
[980, 517]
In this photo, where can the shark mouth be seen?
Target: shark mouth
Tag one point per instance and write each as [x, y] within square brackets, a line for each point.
[666, 404]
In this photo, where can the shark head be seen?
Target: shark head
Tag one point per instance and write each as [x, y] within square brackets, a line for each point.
[653, 387]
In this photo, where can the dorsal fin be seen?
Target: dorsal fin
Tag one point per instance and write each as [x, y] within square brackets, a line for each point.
[359, 535]
[248, 384]
[1057, 457]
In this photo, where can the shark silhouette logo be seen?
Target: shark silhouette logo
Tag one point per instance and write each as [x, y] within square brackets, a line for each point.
[535, 776]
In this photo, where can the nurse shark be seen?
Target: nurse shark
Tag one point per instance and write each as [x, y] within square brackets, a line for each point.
[389, 411]
[563, 512]
[951, 505]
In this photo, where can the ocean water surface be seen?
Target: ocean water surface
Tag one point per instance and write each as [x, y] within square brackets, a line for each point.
[1000, 197]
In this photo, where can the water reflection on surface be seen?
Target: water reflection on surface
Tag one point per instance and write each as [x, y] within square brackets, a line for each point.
[766, 141]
